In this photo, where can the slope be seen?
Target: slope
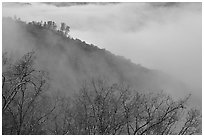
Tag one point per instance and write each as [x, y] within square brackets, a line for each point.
[70, 61]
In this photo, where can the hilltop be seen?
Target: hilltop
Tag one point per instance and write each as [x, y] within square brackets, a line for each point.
[71, 61]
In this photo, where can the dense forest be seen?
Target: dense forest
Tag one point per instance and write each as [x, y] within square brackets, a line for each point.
[73, 95]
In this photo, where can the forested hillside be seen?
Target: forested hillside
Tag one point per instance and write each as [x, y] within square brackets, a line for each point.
[54, 84]
[70, 61]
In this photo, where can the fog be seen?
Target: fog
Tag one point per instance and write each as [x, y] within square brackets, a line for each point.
[157, 36]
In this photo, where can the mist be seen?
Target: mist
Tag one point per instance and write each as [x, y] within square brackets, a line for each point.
[163, 37]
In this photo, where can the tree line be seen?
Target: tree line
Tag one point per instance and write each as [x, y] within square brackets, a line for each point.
[99, 108]
[51, 25]
[64, 29]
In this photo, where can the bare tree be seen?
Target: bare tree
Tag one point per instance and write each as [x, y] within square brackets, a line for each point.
[117, 109]
[23, 89]
[98, 108]
[192, 123]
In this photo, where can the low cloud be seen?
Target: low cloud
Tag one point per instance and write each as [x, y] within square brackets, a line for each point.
[160, 36]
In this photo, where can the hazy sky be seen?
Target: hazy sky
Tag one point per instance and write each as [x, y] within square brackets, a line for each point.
[160, 36]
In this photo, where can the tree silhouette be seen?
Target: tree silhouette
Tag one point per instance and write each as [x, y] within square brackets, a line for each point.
[99, 108]
[63, 27]
[23, 89]
[67, 29]
[115, 109]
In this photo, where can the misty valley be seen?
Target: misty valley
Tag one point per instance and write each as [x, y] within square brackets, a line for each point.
[54, 84]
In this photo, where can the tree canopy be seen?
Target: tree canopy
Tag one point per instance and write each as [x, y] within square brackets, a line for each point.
[98, 108]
